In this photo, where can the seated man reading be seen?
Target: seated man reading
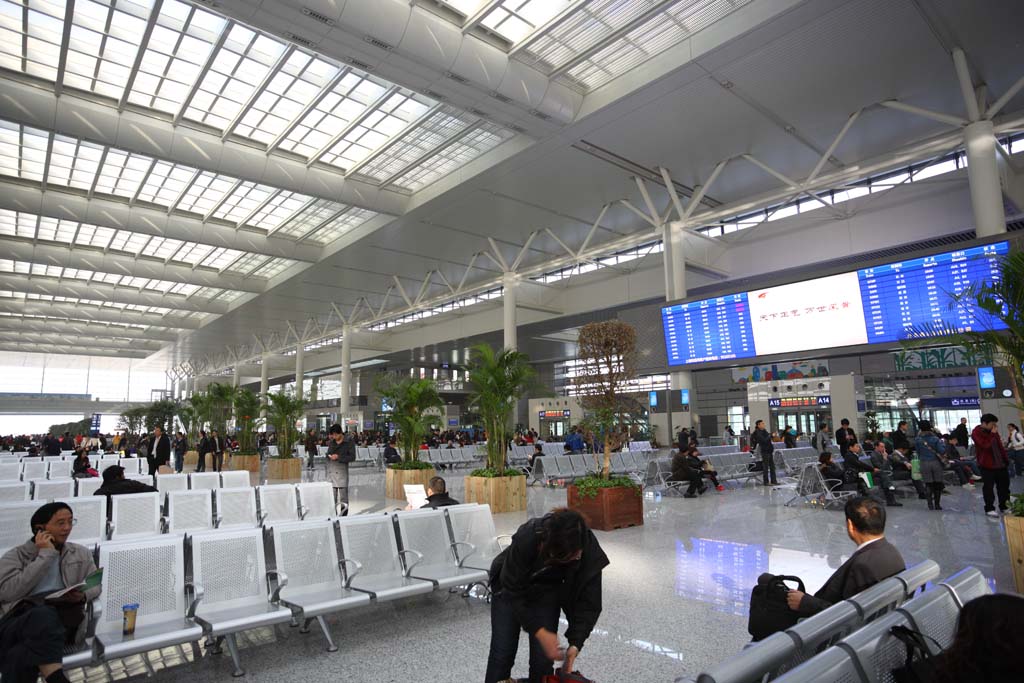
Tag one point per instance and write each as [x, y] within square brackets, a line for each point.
[437, 494]
[874, 559]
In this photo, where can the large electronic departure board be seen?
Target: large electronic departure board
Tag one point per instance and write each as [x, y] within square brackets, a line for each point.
[872, 305]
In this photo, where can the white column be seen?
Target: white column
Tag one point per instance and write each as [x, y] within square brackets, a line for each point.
[299, 374]
[510, 283]
[983, 176]
[234, 377]
[264, 386]
[346, 374]
[675, 288]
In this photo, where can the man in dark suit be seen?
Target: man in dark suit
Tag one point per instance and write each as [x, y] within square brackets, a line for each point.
[845, 437]
[874, 560]
[159, 450]
[217, 446]
[202, 449]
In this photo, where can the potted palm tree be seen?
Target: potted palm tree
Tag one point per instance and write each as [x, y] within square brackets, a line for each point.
[497, 380]
[284, 410]
[219, 400]
[247, 410]
[190, 425]
[199, 405]
[410, 400]
[606, 354]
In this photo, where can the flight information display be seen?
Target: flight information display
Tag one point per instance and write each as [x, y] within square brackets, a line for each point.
[872, 305]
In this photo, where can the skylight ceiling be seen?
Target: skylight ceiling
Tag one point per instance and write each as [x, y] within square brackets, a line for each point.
[513, 20]
[86, 304]
[197, 66]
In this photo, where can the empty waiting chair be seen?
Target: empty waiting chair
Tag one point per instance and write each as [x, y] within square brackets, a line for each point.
[277, 503]
[234, 479]
[967, 584]
[34, 469]
[230, 566]
[425, 533]
[316, 500]
[204, 480]
[476, 541]
[189, 511]
[15, 528]
[10, 471]
[165, 483]
[130, 570]
[369, 540]
[133, 465]
[87, 487]
[48, 489]
[236, 507]
[917, 576]
[834, 665]
[90, 514]
[307, 554]
[142, 478]
[134, 515]
[60, 469]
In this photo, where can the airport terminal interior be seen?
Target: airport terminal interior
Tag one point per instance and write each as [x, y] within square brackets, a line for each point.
[655, 267]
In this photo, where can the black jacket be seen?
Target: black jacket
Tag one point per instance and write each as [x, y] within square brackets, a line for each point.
[391, 455]
[900, 440]
[853, 462]
[961, 435]
[180, 446]
[160, 450]
[844, 437]
[123, 486]
[762, 441]
[440, 500]
[873, 563]
[346, 450]
[513, 569]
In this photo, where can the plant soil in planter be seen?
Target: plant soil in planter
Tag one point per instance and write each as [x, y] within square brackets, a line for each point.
[1015, 541]
[284, 469]
[611, 508]
[395, 481]
[249, 463]
[503, 494]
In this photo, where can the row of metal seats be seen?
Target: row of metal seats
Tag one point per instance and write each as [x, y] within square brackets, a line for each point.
[176, 511]
[46, 489]
[792, 460]
[56, 466]
[784, 651]
[288, 572]
[641, 446]
[449, 456]
[552, 468]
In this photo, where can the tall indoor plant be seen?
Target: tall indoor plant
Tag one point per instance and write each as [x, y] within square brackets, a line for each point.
[497, 379]
[247, 410]
[410, 399]
[283, 411]
[606, 364]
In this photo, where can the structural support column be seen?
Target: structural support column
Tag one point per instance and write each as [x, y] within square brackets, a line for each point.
[675, 288]
[983, 176]
[264, 387]
[299, 373]
[346, 373]
[234, 376]
[510, 284]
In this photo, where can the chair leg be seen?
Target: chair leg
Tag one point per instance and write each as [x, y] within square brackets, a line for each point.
[233, 649]
[331, 647]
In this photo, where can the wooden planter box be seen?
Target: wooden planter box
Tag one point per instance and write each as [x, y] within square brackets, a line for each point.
[613, 508]
[503, 494]
[284, 469]
[1015, 541]
[191, 458]
[395, 481]
[249, 463]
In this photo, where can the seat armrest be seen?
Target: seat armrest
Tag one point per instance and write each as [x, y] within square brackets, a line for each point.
[342, 508]
[409, 567]
[197, 596]
[93, 610]
[303, 511]
[165, 524]
[282, 581]
[455, 547]
[350, 575]
[503, 537]
[217, 520]
[261, 518]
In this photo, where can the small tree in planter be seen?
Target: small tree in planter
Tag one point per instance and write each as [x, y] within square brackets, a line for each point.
[283, 411]
[247, 410]
[606, 354]
[498, 379]
[410, 399]
[160, 414]
[133, 420]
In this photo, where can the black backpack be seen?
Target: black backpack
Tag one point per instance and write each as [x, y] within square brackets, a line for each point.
[769, 612]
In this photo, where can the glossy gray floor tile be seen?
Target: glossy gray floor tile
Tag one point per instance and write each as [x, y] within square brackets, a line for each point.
[675, 595]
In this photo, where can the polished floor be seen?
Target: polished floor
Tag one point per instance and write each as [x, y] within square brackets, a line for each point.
[675, 594]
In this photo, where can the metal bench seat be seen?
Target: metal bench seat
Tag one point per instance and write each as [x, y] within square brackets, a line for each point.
[315, 602]
[228, 620]
[424, 534]
[115, 645]
[370, 540]
[935, 614]
[384, 588]
[476, 541]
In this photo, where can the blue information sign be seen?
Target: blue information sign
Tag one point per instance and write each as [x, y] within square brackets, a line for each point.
[708, 330]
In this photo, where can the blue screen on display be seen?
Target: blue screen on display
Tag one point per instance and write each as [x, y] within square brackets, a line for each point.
[654, 399]
[868, 306]
[684, 397]
[986, 378]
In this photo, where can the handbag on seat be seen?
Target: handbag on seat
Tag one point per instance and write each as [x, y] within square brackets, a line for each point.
[769, 612]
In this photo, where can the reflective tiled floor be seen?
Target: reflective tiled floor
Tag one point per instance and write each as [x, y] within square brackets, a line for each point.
[675, 594]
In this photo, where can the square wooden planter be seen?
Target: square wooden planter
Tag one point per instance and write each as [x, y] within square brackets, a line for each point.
[613, 508]
[284, 469]
[395, 481]
[191, 458]
[249, 463]
[1015, 542]
[503, 494]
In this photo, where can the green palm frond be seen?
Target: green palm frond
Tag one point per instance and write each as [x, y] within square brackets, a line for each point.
[497, 380]
[283, 411]
[410, 400]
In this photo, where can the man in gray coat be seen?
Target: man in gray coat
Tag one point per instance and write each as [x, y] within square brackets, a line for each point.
[340, 452]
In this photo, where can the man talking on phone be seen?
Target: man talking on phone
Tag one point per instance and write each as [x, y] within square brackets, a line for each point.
[35, 627]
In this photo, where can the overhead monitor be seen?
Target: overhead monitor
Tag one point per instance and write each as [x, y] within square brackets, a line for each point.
[881, 304]
[987, 378]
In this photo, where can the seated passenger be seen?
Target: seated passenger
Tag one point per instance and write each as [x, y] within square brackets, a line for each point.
[538, 451]
[853, 466]
[34, 630]
[830, 472]
[987, 643]
[965, 468]
[702, 466]
[874, 560]
[114, 484]
[437, 494]
[882, 463]
[902, 470]
[82, 468]
[683, 469]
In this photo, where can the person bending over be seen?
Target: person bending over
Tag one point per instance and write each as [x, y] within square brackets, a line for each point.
[437, 494]
[553, 565]
[874, 560]
[114, 484]
[34, 630]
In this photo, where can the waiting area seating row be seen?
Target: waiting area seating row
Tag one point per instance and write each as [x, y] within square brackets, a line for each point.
[67, 487]
[450, 457]
[549, 469]
[223, 582]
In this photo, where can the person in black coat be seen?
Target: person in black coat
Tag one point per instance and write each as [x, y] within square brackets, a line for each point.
[961, 433]
[202, 448]
[874, 560]
[437, 494]
[853, 466]
[900, 440]
[845, 436]
[114, 484]
[159, 450]
[761, 442]
[687, 467]
[553, 565]
[391, 455]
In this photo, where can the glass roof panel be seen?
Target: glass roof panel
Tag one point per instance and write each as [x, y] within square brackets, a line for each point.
[165, 183]
[350, 219]
[73, 162]
[56, 230]
[271, 268]
[45, 22]
[122, 173]
[245, 199]
[483, 138]
[104, 42]
[417, 143]
[278, 209]
[17, 224]
[517, 19]
[380, 126]
[221, 257]
[312, 215]
[206, 192]
[22, 151]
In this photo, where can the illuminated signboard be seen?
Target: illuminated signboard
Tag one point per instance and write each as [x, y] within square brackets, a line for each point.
[800, 402]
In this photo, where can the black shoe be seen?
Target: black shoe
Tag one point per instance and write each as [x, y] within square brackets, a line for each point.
[922, 497]
[701, 490]
[689, 495]
[775, 483]
[938, 507]
[931, 505]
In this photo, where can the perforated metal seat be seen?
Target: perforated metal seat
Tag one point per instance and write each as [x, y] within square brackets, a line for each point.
[231, 568]
[752, 664]
[476, 541]
[189, 511]
[876, 650]
[134, 515]
[129, 572]
[834, 665]
[316, 500]
[60, 469]
[15, 528]
[822, 630]
[370, 541]
[935, 614]
[967, 584]
[90, 515]
[48, 489]
[165, 483]
[882, 598]
[917, 576]
[87, 487]
[10, 471]
[426, 533]
[307, 553]
[277, 503]
[234, 479]
[133, 465]
[204, 480]
[236, 507]
[34, 469]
